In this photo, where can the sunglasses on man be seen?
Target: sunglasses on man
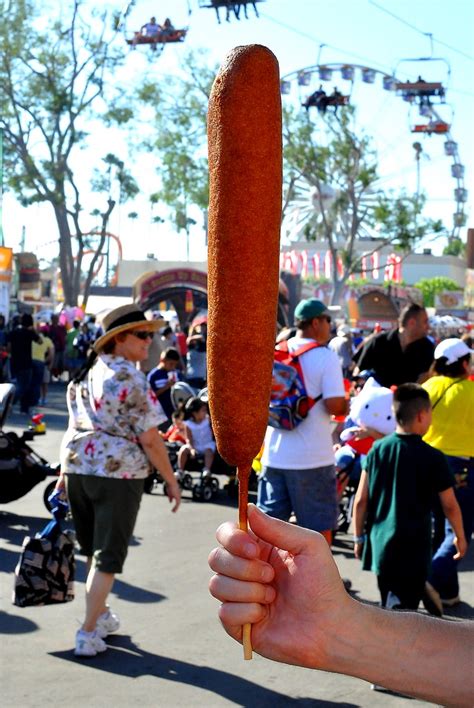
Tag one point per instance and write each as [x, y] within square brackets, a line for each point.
[143, 335]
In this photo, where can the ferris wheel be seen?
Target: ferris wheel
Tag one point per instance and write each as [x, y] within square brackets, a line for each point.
[409, 124]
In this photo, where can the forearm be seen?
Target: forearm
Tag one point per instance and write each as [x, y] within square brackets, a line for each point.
[404, 652]
[158, 456]
[159, 391]
[360, 514]
[454, 516]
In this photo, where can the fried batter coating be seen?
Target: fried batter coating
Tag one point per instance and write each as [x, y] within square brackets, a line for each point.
[245, 168]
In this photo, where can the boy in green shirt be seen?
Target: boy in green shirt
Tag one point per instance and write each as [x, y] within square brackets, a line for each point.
[394, 500]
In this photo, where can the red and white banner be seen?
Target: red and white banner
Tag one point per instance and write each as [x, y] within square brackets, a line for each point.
[320, 265]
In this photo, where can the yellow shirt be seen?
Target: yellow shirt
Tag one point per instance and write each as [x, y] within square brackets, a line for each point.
[38, 351]
[452, 427]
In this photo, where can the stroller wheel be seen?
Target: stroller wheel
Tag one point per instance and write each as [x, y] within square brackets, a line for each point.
[49, 489]
[187, 481]
[214, 485]
[197, 492]
[207, 492]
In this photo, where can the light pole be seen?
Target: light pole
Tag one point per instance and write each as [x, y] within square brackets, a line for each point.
[418, 150]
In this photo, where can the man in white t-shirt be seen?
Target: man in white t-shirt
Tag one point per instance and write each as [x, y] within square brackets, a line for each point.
[298, 465]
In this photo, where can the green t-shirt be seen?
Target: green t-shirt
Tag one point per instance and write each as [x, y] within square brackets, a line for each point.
[404, 475]
[71, 350]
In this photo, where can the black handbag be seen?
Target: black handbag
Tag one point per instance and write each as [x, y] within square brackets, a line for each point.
[45, 571]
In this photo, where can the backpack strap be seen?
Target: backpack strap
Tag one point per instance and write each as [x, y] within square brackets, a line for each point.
[283, 347]
[305, 348]
[445, 391]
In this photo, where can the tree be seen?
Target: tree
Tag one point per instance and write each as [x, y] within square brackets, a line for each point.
[341, 175]
[455, 247]
[53, 80]
[430, 287]
[179, 138]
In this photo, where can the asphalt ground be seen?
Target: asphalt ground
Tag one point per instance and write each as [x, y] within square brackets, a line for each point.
[171, 649]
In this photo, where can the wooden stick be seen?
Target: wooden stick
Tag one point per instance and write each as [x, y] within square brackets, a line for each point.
[243, 474]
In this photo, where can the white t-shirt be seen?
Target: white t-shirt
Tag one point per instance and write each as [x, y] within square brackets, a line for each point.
[310, 444]
[202, 435]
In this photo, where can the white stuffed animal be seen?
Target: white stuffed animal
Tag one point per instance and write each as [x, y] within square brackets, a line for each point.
[372, 408]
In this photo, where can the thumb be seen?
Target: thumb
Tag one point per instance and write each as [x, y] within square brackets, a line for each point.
[281, 534]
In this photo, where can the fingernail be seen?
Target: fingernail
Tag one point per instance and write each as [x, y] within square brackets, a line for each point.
[267, 574]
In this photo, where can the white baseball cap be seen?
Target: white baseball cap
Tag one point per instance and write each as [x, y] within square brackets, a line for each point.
[452, 349]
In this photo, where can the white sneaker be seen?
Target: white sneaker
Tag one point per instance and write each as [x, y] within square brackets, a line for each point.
[107, 623]
[88, 643]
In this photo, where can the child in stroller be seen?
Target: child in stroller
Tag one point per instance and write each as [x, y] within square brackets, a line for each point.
[200, 448]
[176, 433]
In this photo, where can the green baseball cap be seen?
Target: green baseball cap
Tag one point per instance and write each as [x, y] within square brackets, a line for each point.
[309, 309]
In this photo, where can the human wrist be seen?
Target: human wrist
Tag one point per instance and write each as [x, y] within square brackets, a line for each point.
[359, 539]
[338, 648]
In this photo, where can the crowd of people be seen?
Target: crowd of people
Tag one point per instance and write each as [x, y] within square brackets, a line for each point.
[414, 507]
[33, 352]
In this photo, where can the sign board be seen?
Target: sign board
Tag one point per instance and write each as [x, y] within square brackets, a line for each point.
[182, 278]
[449, 300]
[6, 263]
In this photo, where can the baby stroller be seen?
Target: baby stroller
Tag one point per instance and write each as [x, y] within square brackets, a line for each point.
[348, 471]
[155, 478]
[21, 468]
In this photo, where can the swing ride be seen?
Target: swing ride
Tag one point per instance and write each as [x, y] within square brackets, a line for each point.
[156, 36]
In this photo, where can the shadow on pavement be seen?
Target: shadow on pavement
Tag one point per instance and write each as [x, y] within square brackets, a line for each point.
[125, 658]
[14, 624]
[13, 528]
[123, 590]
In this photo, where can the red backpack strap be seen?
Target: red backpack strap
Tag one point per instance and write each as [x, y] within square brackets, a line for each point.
[304, 348]
[283, 347]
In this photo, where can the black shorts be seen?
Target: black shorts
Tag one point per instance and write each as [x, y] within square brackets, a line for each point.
[104, 512]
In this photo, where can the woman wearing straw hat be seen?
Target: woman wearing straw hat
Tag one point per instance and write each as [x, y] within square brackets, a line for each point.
[106, 454]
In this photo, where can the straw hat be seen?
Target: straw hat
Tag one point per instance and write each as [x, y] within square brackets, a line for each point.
[124, 319]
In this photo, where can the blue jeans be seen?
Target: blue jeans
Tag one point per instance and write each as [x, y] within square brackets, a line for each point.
[36, 381]
[23, 389]
[444, 575]
[310, 494]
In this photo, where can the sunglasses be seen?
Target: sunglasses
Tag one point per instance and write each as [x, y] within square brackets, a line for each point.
[326, 317]
[143, 335]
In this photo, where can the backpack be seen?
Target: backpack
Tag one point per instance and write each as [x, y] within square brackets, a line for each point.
[289, 400]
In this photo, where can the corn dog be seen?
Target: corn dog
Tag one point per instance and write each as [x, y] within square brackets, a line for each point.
[245, 187]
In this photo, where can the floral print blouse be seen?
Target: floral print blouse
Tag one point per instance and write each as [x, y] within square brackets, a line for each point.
[107, 413]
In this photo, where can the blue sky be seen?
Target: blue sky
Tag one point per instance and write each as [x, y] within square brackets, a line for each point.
[361, 32]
